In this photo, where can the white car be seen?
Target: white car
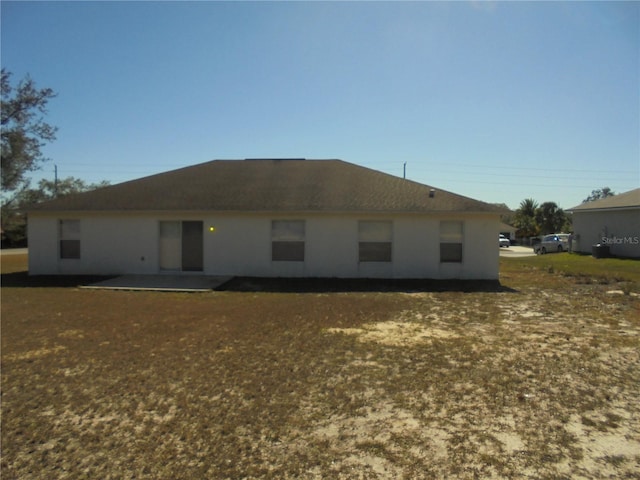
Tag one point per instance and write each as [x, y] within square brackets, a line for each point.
[503, 241]
[556, 242]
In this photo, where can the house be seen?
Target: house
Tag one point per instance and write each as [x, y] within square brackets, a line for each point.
[267, 218]
[612, 221]
[508, 231]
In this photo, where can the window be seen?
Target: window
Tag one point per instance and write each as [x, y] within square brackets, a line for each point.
[374, 241]
[451, 242]
[69, 238]
[287, 240]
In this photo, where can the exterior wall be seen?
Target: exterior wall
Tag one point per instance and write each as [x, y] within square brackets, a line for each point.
[618, 229]
[108, 245]
[240, 244]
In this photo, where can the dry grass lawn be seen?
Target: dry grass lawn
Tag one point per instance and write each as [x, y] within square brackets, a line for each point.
[539, 379]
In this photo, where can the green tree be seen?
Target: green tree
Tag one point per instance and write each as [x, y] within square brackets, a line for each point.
[567, 226]
[525, 218]
[23, 131]
[603, 192]
[550, 218]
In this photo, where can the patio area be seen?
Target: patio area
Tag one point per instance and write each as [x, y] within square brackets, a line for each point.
[168, 283]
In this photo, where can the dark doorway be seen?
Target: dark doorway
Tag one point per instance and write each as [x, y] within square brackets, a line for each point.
[192, 246]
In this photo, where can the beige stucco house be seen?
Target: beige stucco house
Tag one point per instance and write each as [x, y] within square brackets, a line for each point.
[612, 221]
[267, 218]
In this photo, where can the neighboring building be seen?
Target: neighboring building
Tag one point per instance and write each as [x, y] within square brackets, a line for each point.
[612, 221]
[267, 218]
[508, 231]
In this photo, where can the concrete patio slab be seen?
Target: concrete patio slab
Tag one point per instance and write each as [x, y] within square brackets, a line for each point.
[14, 251]
[517, 251]
[164, 283]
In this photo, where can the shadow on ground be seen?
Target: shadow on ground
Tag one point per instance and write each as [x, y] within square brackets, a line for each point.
[327, 285]
[282, 285]
[23, 280]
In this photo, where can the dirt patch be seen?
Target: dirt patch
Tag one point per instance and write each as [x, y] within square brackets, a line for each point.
[404, 332]
[538, 381]
[529, 369]
[34, 354]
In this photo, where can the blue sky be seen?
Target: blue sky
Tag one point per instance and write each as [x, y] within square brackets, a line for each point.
[499, 101]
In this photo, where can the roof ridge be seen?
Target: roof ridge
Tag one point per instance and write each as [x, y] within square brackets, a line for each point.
[261, 185]
[627, 199]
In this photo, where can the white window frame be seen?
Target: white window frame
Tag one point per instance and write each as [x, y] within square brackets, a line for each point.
[375, 241]
[288, 240]
[451, 241]
[69, 239]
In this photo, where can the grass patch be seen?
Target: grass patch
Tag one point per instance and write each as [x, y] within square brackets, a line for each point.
[536, 379]
[583, 268]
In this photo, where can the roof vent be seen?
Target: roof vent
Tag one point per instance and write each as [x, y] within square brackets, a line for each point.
[432, 193]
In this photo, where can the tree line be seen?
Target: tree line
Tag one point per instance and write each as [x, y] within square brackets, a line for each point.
[532, 219]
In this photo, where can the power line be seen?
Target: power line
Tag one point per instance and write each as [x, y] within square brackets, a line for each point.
[574, 170]
[422, 166]
[512, 184]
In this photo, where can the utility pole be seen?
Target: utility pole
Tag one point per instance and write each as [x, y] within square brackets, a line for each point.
[55, 181]
[404, 170]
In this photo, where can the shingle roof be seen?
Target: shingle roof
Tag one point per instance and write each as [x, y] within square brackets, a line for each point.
[269, 185]
[625, 200]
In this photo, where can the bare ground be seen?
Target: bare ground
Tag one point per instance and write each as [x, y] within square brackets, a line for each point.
[540, 379]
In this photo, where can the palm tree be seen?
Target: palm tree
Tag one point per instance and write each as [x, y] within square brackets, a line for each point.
[525, 218]
[550, 218]
[528, 207]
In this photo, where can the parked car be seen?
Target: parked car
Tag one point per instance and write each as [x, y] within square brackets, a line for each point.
[556, 242]
[503, 241]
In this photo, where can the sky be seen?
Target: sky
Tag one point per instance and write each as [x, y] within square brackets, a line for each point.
[498, 101]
